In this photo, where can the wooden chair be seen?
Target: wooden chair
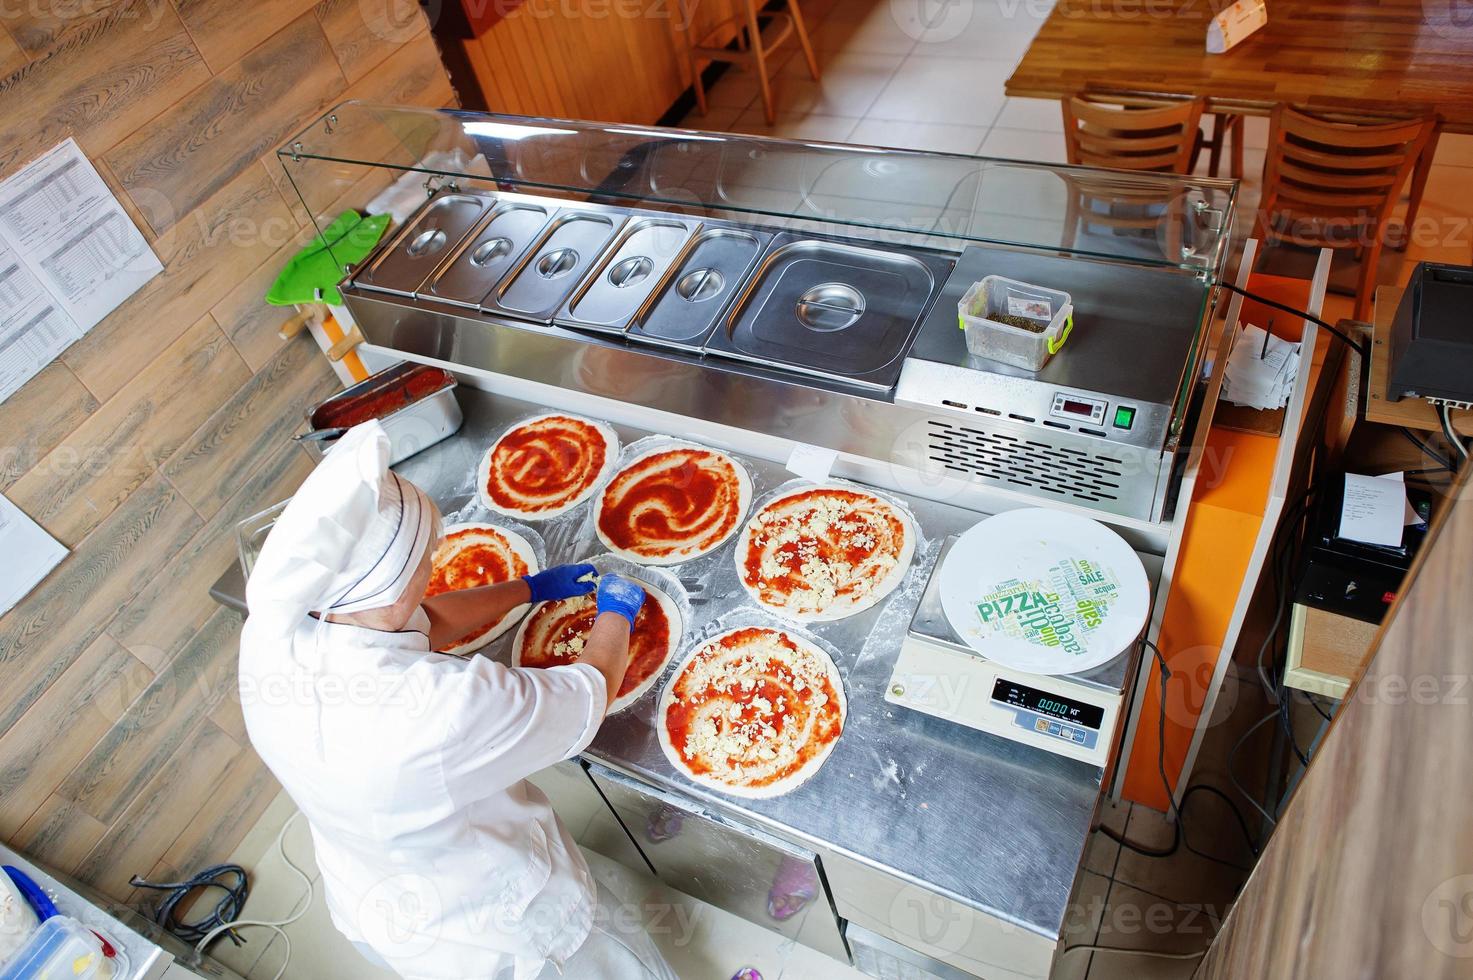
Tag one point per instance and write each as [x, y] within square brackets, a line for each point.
[1153, 137]
[1225, 125]
[1332, 183]
[1157, 137]
[751, 47]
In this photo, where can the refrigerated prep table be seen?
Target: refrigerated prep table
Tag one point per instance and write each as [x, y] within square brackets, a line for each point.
[767, 296]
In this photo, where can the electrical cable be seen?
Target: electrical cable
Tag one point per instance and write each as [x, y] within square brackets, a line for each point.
[274, 926]
[1450, 434]
[1348, 340]
[1179, 837]
[1232, 774]
[1442, 460]
[167, 912]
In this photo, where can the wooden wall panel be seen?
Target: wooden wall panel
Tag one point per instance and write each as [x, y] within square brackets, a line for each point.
[32, 760]
[12, 58]
[122, 747]
[364, 34]
[38, 417]
[1369, 872]
[205, 254]
[99, 81]
[100, 463]
[523, 67]
[221, 128]
[223, 31]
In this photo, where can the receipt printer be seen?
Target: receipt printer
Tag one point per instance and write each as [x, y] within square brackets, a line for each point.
[1432, 337]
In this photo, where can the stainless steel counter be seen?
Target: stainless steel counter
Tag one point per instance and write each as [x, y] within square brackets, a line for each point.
[989, 823]
[997, 826]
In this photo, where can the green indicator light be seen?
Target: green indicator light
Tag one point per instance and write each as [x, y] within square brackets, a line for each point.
[1124, 417]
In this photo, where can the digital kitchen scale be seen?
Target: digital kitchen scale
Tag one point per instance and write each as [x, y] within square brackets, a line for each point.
[1075, 715]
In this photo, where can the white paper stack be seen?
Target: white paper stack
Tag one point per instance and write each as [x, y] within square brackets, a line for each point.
[1260, 375]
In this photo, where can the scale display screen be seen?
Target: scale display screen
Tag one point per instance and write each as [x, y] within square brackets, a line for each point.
[1082, 713]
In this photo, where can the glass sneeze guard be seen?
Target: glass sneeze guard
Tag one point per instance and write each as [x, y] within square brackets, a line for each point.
[357, 149]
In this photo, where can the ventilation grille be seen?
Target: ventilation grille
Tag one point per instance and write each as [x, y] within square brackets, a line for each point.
[1066, 473]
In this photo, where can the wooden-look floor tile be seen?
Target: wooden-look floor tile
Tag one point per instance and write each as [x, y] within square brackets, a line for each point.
[204, 257]
[176, 602]
[12, 58]
[163, 808]
[38, 417]
[223, 35]
[94, 469]
[39, 27]
[247, 319]
[216, 132]
[59, 835]
[86, 700]
[158, 722]
[364, 34]
[52, 626]
[98, 82]
[412, 75]
[245, 790]
[257, 419]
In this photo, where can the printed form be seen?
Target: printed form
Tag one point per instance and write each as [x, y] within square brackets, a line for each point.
[69, 255]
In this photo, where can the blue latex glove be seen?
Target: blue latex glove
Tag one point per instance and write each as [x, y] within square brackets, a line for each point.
[560, 582]
[619, 595]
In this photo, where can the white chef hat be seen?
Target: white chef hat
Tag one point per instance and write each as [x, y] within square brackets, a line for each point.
[350, 539]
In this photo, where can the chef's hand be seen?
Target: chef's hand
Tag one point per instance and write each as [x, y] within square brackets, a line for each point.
[619, 595]
[560, 582]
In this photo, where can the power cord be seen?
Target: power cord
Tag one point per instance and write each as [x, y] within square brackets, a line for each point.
[1451, 434]
[166, 913]
[1436, 457]
[1348, 340]
[274, 926]
[1178, 827]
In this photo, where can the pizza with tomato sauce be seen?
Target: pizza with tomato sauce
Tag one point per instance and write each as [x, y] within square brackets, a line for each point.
[546, 466]
[822, 553]
[555, 633]
[752, 712]
[672, 504]
[473, 555]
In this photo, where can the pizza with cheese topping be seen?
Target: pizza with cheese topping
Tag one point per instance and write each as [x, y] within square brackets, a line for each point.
[546, 466]
[822, 553]
[672, 504]
[472, 555]
[555, 633]
[752, 712]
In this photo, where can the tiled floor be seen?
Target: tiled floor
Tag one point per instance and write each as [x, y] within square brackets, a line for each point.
[699, 941]
[887, 81]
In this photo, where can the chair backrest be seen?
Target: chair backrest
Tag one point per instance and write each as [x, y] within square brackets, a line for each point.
[1158, 136]
[1337, 171]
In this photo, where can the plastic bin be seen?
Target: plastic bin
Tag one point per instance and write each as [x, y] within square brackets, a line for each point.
[994, 296]
[62, 948]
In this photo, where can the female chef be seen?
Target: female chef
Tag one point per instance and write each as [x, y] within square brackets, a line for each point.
[437, 856]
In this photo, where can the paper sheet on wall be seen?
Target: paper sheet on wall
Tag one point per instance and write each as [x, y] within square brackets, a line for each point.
[30, 554]
[69, 255]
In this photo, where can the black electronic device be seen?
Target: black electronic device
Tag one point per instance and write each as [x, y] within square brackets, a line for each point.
[1351, 578]
[1431, 345]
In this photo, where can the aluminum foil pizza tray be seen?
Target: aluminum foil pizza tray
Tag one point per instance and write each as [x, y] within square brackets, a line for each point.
[1044, 592]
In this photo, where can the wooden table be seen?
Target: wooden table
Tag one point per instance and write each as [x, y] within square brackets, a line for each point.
[1377, 56]
[1414, 413]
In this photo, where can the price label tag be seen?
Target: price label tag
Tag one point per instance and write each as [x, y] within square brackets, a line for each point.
[811, 462]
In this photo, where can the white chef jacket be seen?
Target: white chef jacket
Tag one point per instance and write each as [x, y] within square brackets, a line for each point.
[410, 768]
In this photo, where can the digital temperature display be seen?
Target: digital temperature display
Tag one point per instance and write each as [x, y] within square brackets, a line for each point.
[1017, 695]
[1077, 408]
